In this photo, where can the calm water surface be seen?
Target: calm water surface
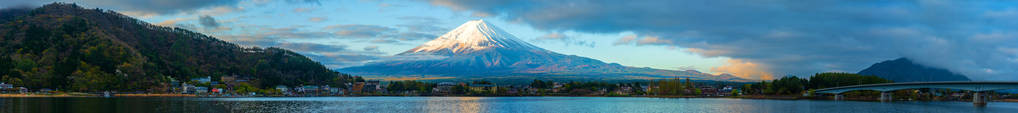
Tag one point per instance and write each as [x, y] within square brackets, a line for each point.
[483, 104]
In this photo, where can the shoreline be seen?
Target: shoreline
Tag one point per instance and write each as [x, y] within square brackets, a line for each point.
[195, 96]
[90, 95]
[42, 95]
[155, 95]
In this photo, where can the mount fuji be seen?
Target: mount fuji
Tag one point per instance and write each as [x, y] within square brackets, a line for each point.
[479, 50]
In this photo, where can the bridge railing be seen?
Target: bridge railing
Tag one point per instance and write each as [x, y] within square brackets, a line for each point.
[961, 85]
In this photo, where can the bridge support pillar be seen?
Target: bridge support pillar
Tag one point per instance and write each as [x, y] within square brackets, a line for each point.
[979, 99]
[885, 96]
[839, 97]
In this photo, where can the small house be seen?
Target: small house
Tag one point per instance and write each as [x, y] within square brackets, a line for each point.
[206, 79]
[282, 88]
[483, 88]
[201, 90]
[444, 87]
[5, 86]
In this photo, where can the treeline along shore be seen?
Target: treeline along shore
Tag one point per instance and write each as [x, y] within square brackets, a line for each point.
[790, 87]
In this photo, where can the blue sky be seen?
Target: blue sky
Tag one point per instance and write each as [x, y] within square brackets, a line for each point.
[757, 39]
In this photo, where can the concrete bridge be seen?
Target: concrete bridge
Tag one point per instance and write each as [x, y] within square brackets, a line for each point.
[980, 88]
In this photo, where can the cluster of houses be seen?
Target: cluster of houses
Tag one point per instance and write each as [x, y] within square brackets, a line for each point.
[356, 88]
[208, 87]
[369, 87]
[9, 88]
[204, 86]
[558, 89]
[447, 88]
[710, 91]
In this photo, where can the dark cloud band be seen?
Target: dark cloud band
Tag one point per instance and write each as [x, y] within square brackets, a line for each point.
[793, 37]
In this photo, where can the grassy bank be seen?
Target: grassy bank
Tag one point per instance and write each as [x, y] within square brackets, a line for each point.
[30, 95]
[155, 95]
[49, 95]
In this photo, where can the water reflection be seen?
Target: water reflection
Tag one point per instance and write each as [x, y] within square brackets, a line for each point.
[453, 104]
[477, 105]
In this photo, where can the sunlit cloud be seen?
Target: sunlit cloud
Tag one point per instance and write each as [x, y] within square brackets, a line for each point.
[744, 69]
[302, 10]
[174, 21]
[317, 19]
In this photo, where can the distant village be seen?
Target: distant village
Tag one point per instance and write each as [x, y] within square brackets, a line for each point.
[231, 86]
[415, 88]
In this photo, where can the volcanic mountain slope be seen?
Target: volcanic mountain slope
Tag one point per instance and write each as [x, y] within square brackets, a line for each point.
[478, 49]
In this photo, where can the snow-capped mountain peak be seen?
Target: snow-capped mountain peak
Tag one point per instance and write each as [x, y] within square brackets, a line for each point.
[479, 50]
[471, 36]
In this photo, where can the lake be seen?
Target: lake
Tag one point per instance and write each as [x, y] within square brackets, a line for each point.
[482, 105]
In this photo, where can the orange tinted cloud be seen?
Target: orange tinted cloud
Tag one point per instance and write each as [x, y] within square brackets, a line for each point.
[744, 69]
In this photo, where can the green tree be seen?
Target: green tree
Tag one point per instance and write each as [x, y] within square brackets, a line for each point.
[460, 89]
[539, 84]
[244, 88]
[748, 89]
[91, 78]
[837, 79]
[768, 88]
[789, 85]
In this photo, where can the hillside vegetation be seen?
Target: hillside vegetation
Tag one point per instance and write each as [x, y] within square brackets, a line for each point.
[64, 46]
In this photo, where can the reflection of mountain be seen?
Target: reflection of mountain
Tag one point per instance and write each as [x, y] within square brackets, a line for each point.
[904, 70]
[477, 49]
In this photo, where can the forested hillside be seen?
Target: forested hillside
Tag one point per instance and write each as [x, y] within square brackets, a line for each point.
[64, 46]
[904, 70]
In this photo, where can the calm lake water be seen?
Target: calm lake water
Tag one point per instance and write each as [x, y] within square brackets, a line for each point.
[483, 105]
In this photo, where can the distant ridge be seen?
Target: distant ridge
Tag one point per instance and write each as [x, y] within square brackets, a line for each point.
[904, 70]
[478, 49]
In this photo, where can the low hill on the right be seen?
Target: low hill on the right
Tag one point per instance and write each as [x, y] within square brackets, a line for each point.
[904, 70]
